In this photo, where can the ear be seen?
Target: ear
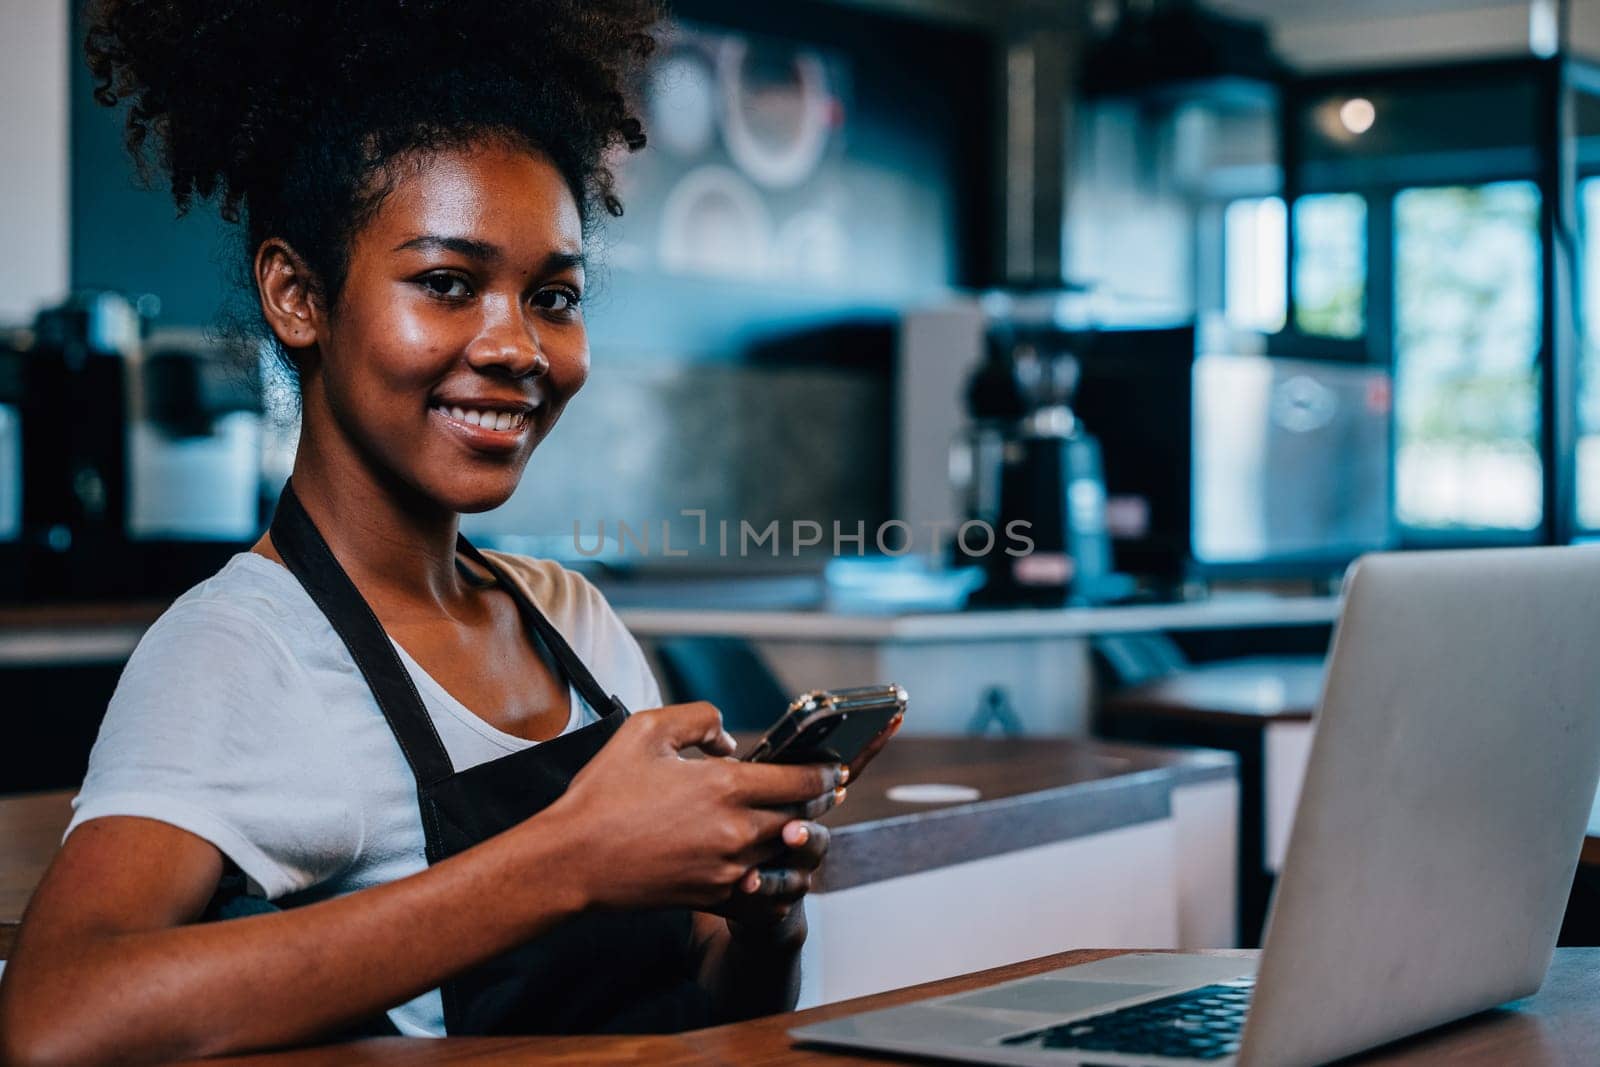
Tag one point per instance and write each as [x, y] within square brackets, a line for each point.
[288, 295]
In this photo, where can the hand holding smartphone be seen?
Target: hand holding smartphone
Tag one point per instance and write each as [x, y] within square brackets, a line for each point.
[830, 726]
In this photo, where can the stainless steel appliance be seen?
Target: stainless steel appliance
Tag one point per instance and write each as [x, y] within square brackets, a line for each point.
[139, 463]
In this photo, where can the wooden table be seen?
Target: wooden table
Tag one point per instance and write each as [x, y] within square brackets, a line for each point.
[1558, 1026]
[1116, 809]
[1241, 692]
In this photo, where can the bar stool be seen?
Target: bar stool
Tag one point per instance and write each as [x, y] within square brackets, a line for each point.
[728, 672]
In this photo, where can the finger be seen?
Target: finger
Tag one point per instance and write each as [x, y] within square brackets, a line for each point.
[680, 726]
[771, 784]
[781, 885]
[770, 853]
[808, 843]
[764, 837]
[875, 746]
[816, 809]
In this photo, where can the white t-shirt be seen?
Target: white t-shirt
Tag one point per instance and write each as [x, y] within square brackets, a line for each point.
[242, 719]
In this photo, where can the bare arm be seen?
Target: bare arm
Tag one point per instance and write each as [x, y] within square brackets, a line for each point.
[111, 966]
[105, 965]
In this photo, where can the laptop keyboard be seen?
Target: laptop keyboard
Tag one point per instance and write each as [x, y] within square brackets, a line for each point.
[1197, 1024]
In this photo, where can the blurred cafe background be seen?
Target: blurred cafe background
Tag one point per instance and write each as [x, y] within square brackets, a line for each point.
[1212, 297]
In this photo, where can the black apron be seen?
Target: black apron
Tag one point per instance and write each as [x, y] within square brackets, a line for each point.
[603, 972]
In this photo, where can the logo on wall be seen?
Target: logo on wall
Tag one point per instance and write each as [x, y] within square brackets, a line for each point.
[743, 175]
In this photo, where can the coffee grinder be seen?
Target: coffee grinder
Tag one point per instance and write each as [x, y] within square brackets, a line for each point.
[1035, 475]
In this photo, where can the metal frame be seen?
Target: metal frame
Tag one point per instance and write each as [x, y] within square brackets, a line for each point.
[1551, 165]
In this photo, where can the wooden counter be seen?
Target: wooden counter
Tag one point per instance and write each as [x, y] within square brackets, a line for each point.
[1560, 1025]
[1032, 797]
[1143, 841]
[30, 832]
[1030, 791]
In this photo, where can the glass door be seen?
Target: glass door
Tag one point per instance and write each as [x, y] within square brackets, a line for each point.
[1466, 359]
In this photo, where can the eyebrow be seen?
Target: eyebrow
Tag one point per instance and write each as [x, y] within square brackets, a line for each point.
[485, 251]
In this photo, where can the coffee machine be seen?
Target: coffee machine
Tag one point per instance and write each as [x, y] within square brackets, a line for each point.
[1033, 474]
[139, 463]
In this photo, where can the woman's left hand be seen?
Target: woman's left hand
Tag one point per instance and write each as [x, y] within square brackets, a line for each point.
[762, 907]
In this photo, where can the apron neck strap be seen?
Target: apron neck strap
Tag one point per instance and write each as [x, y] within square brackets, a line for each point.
[307, 555]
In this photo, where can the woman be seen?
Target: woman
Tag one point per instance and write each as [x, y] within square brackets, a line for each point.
[364, 721]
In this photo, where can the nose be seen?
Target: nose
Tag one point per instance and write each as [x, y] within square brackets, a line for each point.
[510, 346]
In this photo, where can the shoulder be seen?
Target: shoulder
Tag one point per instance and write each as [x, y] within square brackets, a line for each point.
[215, 728]
[565, 596]
[223, 662]
[241, 615]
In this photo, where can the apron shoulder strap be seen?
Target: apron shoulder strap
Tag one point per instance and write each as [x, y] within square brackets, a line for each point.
[573, 667]
[309, 559]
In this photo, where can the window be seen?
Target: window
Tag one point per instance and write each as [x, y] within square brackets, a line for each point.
[1589, 361]
[1255, 251]
[1467, 333]
[1330, 265]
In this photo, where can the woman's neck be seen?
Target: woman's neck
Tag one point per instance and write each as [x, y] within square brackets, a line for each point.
[390, 543]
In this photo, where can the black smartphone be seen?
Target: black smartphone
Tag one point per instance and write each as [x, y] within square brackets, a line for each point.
[830, 725]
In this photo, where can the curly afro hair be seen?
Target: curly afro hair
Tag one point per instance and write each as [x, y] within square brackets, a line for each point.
[289, 112]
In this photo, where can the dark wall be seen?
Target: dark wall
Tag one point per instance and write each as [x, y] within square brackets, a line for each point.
[125, 237]
[919, 120]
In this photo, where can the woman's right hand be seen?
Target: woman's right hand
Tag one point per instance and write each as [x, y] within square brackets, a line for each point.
[662, 830]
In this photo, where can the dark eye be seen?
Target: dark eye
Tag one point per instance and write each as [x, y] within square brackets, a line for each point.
[446, 285]
[557, 298]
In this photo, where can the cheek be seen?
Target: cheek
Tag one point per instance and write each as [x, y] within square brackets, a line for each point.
[569, 363]
[394, 355]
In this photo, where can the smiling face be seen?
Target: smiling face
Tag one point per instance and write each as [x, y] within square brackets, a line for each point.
[457, 338]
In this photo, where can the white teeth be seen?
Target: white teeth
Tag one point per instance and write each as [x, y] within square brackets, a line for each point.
[489, 420]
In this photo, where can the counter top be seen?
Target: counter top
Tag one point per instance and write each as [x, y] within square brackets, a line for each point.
[73, 634]
[86, 634]
[1030, 791]
[1216, 613]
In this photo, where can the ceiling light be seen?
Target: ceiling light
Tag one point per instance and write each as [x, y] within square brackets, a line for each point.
[1357, 114]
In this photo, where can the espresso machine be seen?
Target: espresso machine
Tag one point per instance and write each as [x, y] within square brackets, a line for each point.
[1034, 475]
[139, 457]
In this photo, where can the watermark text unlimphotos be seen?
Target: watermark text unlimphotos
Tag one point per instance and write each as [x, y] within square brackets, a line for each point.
[742, 538]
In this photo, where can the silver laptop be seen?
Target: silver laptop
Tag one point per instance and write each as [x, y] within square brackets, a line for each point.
[1450, 781]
